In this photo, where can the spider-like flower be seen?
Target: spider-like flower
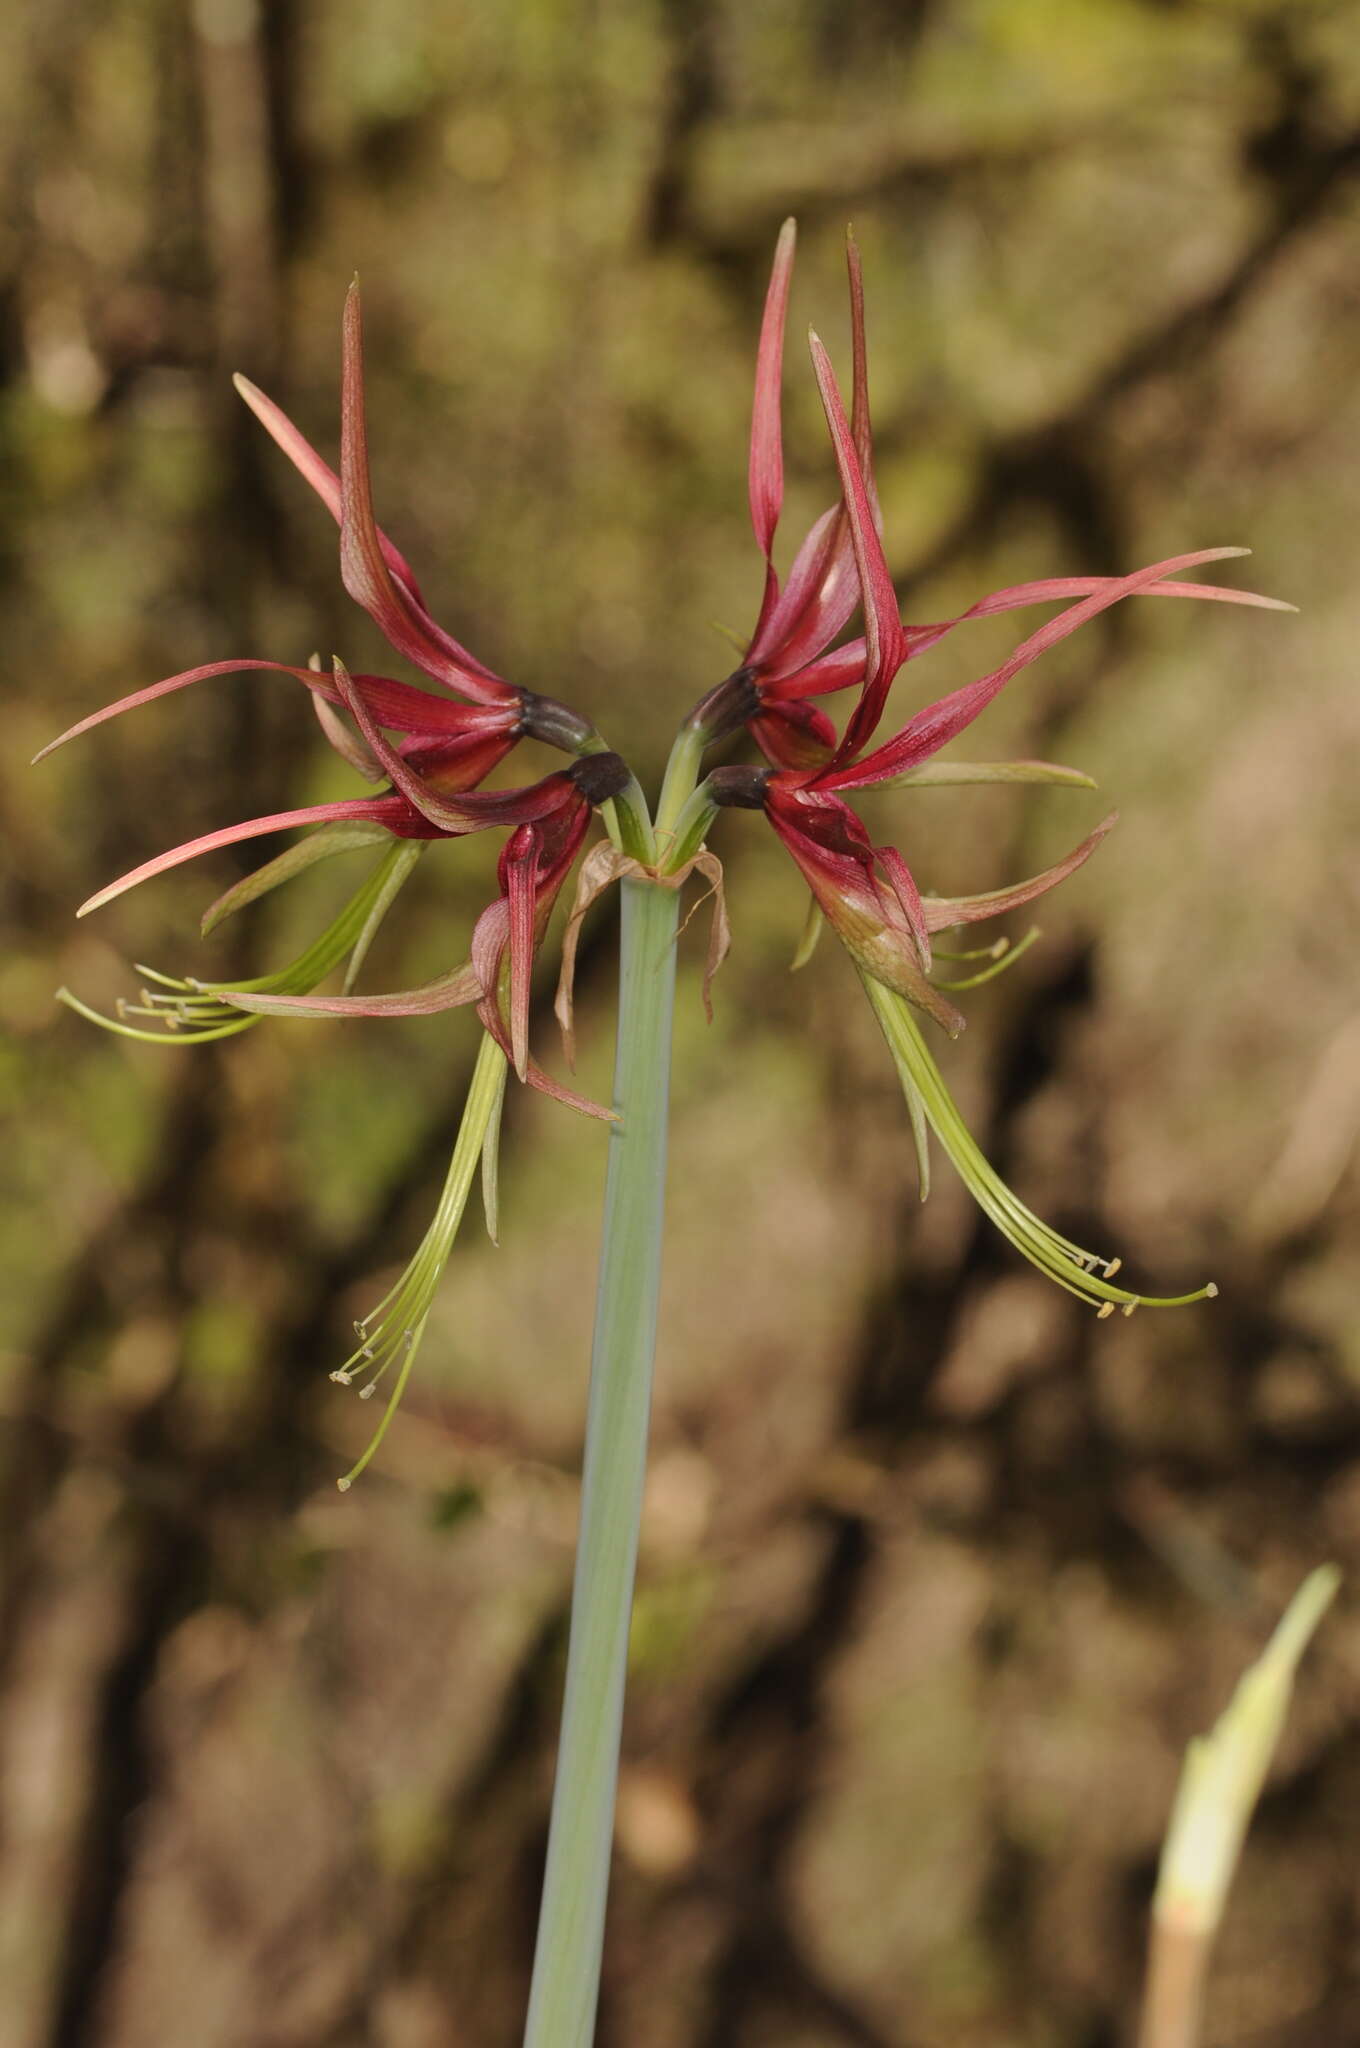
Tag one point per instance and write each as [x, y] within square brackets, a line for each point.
[446, 746]
[428, 753]
[790, 659]
[445, 751]
[868, 892]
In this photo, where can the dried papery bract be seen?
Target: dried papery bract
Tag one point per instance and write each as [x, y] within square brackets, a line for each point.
[425, 757]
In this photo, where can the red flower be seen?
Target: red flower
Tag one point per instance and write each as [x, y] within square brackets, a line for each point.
[798, 621]
[787, 663]
[868, 892]
[551, 819]
[444, 751]
[376, 575]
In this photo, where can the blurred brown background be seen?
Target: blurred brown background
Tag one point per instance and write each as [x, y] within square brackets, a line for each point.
[939, 1573]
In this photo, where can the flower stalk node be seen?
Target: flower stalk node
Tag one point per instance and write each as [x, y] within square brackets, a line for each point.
[557, 725]
[602, 867]
[739, 788]
[731, 704]
[600, 777]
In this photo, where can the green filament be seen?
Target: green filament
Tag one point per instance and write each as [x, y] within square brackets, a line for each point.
[1002, 955]
[1083, 1273]
[390, 1334]
[190, 1012]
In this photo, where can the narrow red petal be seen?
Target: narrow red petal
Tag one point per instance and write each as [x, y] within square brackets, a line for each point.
[319, 474]
[1050, 588]
[490, 937]
[519, 865]
[412, 784]
[794, 735]
[473, 810]
[817, 600]
[885, 644]
[939, 723]
[908, 895]
[860, 426]
[842, 669]
[822, 590]
[363, 565]
[845, 666]
[765, 476]
[345, 743]
[493, 1022]
[447, 992]
[451, 766]
[397, 705]
[943, 911]
[379, 810]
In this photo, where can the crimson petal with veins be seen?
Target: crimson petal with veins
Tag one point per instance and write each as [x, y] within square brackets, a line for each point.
[399, 706]
[941, 722]
[391, 811]
[941, 912]
[319, 474]
[364, 569]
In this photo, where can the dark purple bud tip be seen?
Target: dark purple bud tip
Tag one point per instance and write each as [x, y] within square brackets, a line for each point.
[557, 725]
[729, 705]
[600, 776]
[738, 788]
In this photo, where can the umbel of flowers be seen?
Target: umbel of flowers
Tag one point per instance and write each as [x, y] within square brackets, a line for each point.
[426, 753]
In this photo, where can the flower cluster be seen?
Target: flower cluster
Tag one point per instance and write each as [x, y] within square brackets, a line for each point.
[446, 750]
[867, 892]
[428, 785]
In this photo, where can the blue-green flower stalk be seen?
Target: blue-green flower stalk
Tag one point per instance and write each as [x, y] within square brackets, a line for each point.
[427, 755]
[571, 1924]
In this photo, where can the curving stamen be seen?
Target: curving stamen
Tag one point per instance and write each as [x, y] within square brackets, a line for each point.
[390, 1334]
[992, 952]
[193, 1012]
[1002, 955]
[1085, 1274]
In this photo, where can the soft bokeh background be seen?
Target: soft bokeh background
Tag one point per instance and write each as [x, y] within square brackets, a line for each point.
[939, 1574]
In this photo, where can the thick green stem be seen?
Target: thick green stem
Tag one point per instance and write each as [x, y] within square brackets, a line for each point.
[571, 1922]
